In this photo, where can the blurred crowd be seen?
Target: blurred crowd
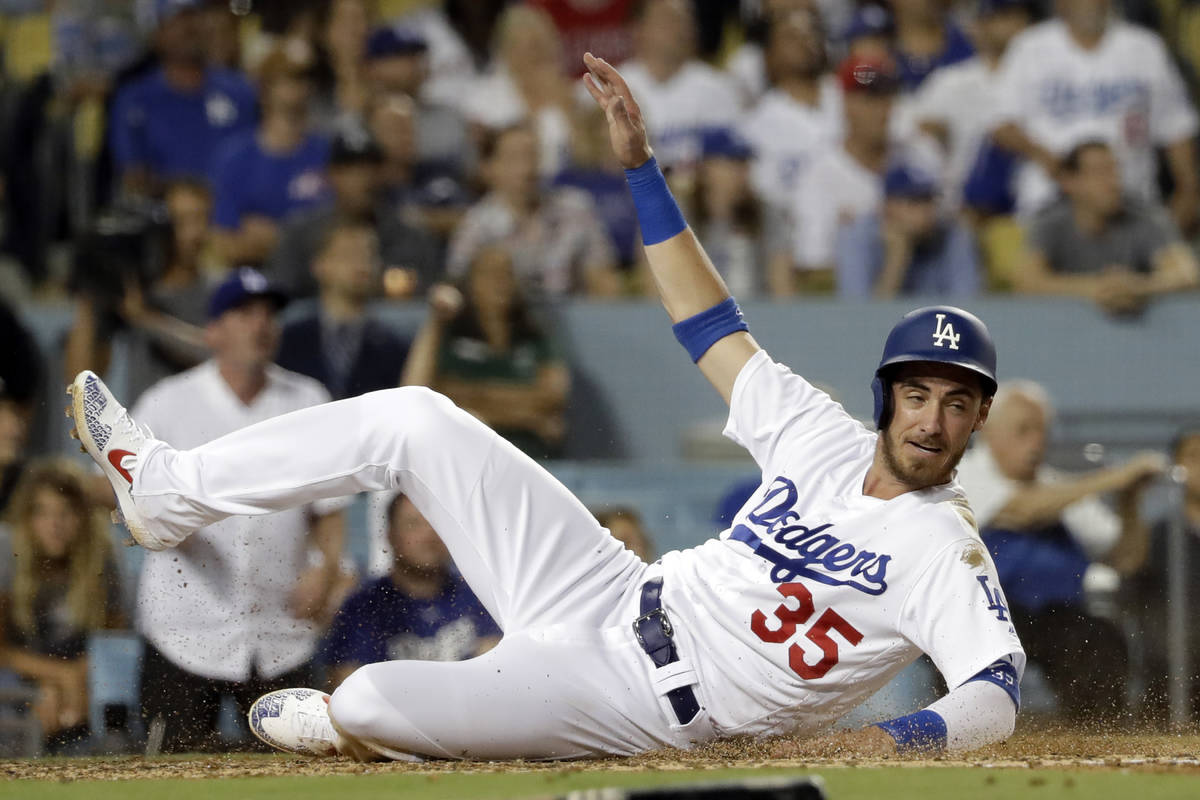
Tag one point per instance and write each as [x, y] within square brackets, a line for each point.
[176, 172]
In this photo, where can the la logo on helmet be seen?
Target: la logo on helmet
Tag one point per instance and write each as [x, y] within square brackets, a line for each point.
[943, 333]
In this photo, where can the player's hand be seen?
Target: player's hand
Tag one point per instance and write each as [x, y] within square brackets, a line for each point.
[445, 302]
[626, 126]
[872, 742]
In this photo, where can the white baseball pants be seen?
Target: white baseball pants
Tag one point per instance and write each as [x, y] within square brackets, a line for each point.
[567, 680]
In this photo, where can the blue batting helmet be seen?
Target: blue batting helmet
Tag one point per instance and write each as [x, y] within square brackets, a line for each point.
[941, 334]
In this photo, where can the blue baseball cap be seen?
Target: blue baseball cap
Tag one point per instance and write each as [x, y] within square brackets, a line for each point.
[725, 143]
[869, 21]
[902, 180]
[243, 285]
[393, 41]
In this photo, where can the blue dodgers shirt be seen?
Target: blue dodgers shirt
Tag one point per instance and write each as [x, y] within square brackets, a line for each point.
[176, 134]
[381, 623]
[248, 180]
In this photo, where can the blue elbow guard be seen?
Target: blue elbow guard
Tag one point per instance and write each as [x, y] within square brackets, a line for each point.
[922, 732]
[1004, 675]
[657, 211]
[700, 332]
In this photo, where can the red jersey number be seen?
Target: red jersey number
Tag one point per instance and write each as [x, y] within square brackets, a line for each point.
[788, 620]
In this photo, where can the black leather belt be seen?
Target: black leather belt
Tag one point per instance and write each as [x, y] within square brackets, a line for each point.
[653, 631]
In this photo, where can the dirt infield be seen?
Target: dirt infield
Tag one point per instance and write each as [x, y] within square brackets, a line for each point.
[1047, 749]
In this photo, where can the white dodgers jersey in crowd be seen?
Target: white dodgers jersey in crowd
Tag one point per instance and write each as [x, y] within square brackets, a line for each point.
[1126, 91]
[818, 595]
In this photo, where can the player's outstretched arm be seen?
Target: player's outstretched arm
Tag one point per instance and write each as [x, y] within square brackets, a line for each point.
[690, 288]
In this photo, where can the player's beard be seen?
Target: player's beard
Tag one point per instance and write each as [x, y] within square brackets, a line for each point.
[917, 474]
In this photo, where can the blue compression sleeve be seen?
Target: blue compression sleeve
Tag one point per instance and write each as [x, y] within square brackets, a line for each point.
[701, 331]
[657, 211]
[921, 732]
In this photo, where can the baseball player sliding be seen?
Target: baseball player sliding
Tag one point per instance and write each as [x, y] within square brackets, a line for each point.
[857, 553]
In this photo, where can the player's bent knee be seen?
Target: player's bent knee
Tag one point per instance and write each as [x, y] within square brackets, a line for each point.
[354, 706]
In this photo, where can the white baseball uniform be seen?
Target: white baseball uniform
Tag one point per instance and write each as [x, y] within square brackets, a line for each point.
[679, 109]
[1125, 92]
[813, 599]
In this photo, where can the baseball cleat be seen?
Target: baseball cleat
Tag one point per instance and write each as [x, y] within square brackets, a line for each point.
[295, 721]
[109, 435]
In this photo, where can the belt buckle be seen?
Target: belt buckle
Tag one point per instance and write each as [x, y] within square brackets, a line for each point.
[664, 622]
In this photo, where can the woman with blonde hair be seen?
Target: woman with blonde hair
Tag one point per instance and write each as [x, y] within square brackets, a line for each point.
[60, 584]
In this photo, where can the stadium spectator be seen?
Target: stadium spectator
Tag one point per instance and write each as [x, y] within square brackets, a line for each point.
[422, 609]
[261, 176]
[801, 113]
[1147, 592]
[1096, 242]
[925, 40]
[1053, 543]
[912, 246]
[229, 612]
[222, 32]
[171, 122]
[748, 66]
[398, 64]
[955, 106]
[558, 245]
[355, 175]
[870, 33]
[846, 180]
[338, 343]
[483, 349]
[680, 96]
[626, 526]
[21, 374]
[599, 27]
[428, 192]
[342, 86]
[459, 34]
[161, 320]
[58, 583]
[526, 83]
[728, 217]
[594, 169]
[1088, 75]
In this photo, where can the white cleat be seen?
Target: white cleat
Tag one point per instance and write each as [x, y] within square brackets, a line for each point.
[295, 721]
[110, 436]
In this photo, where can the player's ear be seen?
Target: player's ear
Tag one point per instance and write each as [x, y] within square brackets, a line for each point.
[984, 409]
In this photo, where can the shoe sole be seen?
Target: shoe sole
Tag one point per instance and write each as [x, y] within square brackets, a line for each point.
[124, 514]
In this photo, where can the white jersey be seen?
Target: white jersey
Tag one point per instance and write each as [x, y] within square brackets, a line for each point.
[1125, 91]
[217, 604]
[679, 109]
[963, 98]
[818, 595]
[786, 136]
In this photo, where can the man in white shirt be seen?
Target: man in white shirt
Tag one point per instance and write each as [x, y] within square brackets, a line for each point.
[800, 115]
[956, 103]
[846, 180]
[230, 612]
[684, 96]
[1085, 75]
[1054, 542]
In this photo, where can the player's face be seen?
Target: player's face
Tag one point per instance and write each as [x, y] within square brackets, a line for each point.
[415, 544]
[1016, 437]
[245, 337]
[936, 408]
